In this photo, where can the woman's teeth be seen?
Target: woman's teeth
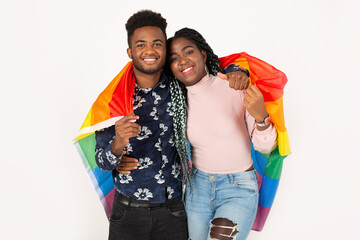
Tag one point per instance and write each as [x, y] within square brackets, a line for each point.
[187, 69]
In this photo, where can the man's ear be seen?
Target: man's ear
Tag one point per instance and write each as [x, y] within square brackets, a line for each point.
[203, 52]
[129, 53]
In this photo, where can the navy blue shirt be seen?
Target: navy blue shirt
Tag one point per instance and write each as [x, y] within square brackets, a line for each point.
[159, 175]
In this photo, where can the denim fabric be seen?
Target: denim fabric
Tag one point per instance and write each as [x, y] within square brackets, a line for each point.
[232, 196]
[159, 223]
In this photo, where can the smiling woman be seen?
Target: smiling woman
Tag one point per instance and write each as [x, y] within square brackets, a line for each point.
[187, 61]
[221, 199]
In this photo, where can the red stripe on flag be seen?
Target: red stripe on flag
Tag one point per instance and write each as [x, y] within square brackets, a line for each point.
[121, 101]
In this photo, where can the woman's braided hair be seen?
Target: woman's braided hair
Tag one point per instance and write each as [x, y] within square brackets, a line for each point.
[179, 93]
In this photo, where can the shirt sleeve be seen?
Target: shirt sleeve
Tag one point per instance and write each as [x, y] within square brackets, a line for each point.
[263, 141]
[104, 157]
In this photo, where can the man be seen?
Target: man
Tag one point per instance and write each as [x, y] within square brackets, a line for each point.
[148, 201]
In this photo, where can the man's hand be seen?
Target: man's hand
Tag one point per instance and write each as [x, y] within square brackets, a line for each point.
[127, 164]
[125, 129]
[237, 80]
[254, 103]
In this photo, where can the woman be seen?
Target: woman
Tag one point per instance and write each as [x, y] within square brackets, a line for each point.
[222, 194]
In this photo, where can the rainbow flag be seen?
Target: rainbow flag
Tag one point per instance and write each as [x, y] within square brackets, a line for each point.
[111, 105]
[116, 101]
[271, 83]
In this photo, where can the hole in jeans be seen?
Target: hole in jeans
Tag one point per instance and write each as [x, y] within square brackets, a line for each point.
[223, 229]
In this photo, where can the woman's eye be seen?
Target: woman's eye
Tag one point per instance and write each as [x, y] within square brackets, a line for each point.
[189, 52]
[173, 59]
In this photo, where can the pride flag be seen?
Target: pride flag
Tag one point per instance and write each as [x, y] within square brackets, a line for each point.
[110, 106]
[271, 83]
[116, 101]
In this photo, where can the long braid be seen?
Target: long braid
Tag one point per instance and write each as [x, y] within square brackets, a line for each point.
[178, 96]
[179, 123]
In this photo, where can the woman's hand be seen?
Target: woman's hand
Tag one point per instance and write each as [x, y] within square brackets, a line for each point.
[127, 164]
[254, 103]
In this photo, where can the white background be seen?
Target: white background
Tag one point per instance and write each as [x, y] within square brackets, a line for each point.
[57, 56]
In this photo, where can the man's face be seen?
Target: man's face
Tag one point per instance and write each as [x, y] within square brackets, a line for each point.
[148, 49]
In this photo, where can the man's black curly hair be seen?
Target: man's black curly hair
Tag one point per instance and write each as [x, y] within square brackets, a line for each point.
[145, 18]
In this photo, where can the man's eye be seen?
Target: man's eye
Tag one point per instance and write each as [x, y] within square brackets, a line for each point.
[140, 45]
[189, 52]
[157, 45]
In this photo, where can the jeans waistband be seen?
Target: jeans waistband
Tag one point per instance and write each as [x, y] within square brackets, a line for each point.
[249, 174]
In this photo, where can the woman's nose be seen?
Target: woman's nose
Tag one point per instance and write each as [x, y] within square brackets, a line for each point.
[182, 60]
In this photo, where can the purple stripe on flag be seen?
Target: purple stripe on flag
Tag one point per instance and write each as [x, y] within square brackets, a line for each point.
[262, 214]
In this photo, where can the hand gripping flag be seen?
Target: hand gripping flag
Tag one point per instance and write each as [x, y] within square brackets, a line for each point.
[271, 83]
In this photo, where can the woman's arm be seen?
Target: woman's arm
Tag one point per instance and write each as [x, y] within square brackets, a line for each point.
[262, 132]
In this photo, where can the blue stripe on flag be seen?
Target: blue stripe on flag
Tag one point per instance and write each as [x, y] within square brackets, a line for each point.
[104, 179]
[259, 161]
[268, 191]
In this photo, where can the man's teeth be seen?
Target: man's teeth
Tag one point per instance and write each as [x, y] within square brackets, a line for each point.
[187, 69]
[149, 59]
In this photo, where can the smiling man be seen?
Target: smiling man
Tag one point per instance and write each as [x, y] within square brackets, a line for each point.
[148, 201]
[147, 49]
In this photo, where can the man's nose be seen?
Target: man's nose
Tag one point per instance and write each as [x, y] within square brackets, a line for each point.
[149, 49]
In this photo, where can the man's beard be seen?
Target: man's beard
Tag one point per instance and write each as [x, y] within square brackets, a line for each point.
[139, 67]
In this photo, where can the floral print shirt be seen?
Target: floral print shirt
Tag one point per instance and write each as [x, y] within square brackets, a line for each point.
[159, 175]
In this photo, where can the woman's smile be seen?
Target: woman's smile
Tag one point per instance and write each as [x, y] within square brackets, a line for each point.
[187, 62]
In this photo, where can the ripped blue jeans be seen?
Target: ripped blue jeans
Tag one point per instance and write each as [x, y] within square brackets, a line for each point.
[221, 206]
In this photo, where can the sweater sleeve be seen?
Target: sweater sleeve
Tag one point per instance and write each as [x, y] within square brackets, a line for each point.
[263, 141]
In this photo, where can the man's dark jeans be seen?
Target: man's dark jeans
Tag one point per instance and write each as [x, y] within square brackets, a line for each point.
[155, 223]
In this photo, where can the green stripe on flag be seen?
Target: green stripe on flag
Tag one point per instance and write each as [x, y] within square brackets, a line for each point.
[88, 145]
[274, 164]
[265, 155]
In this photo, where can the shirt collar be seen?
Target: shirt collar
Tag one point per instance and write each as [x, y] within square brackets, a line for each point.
[162, 81]
[207, 80]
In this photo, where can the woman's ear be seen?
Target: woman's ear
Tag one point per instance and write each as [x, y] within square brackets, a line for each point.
[203, 52]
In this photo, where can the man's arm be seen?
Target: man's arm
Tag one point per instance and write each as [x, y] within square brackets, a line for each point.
[237, 76]
[104, 157]
[125, 129]
[110, 142]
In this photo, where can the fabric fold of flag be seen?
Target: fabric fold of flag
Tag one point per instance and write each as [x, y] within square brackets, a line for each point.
[271, 83]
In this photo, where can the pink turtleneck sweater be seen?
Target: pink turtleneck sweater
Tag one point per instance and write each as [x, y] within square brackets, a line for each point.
[216, 129]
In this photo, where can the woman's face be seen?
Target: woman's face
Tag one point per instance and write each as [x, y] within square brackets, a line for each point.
[187, 62]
